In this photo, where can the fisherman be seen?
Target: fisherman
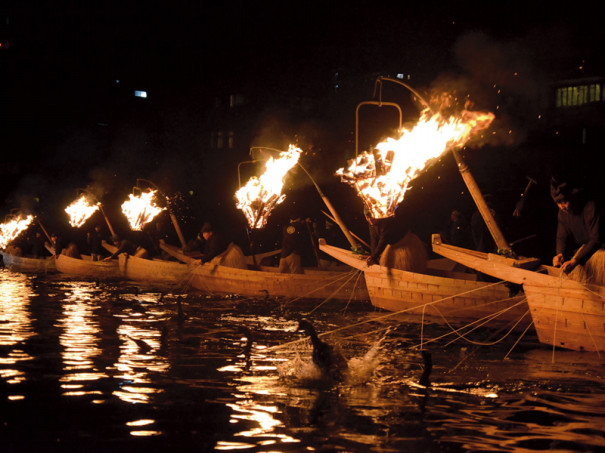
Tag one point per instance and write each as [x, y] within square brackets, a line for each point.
[94, 240]
[293, 235]
[56, 244]
[578, 228]
[128, 247]
[457, 231]
[213, 244]
[37, 245]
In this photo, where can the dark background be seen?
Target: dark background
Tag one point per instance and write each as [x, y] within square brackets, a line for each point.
[272, 73]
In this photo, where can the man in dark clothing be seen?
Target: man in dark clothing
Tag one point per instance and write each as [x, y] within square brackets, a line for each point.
[292, 246]
[578, 235]
[37, 249]
[128, 247]
[94, 240]
[213, 244]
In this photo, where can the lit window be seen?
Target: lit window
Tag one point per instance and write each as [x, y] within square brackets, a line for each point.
[140, 94]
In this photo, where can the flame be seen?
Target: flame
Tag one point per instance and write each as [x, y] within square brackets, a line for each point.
[80, 210]
[381, 178]
[141, 210]
[13, 228]
[260, 195]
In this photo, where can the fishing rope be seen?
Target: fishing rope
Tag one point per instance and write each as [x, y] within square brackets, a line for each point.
[333, 293]
[386, 315]
[519, 339]
[587, 288]
[329, 281]
[355, 286]
[480, 322]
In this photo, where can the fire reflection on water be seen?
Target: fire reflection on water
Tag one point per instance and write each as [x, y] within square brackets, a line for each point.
[97, 364]
[15, 325]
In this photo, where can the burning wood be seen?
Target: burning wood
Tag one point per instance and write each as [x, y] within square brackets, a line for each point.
[81, 210]
[260, 195]
[382, 177]
[10, 229]
[141, 209]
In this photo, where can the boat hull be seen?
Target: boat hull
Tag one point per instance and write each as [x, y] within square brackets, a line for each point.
[153, 271]
[86, 268]
[565, 313]
[29, 265]
[440, 298]
[267, 281]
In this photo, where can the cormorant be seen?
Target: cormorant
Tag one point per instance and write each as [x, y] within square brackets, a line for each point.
[328, 360]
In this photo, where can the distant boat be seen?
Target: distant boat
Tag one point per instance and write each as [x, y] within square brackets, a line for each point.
[149, 270]
[441, 294]
[85, 267]
[28, 265]
[565, 312]
[345, 284]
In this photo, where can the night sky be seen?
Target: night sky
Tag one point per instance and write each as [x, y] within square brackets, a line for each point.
[68, 71]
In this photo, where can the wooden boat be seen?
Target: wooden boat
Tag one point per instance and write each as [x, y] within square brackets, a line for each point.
[441, 294]
[28, 265]
[565, 312]
[264, 280]
[153, 270]
[87, 268]
[149, 270]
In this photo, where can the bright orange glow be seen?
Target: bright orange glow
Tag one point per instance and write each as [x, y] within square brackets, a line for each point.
[260, 195]
[80, 211]
[381, 178]
[13, 228]
[141, 210]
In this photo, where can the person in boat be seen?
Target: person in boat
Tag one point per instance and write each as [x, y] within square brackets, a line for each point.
[37, 245]
[292, 247]
[56, 243]
[213, 244]
[457, 230]
[578, 226]
[128, 247]
[215, 251]
[380, 236]
[71, 250]
[94, 240]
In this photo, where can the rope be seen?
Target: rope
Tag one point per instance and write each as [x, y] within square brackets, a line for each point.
[387, 315]
[333, 293]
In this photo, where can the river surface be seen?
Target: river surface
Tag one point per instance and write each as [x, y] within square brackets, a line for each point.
[113, 367]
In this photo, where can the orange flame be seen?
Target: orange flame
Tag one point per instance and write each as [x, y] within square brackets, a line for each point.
[13, 228]
[80, 211]
[381, 178]
[141, 210]
[260, 195]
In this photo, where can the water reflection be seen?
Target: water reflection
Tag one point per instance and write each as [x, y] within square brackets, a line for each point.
[15, 325]
[122, 371]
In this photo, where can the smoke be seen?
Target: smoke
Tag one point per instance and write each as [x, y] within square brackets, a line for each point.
[498, 76]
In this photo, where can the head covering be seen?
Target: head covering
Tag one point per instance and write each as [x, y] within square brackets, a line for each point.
[206, 228]
[559, 191]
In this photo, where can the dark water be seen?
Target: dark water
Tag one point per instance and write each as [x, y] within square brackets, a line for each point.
[86, 367]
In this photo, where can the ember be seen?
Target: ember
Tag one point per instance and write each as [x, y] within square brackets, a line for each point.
[141, 210]
[260, 195]
[10, 229]
[80, 211]
[382, 177]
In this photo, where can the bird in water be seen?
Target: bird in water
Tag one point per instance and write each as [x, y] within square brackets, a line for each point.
[331, 362]
[428, 367]
[180, 314]
[143, 346]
